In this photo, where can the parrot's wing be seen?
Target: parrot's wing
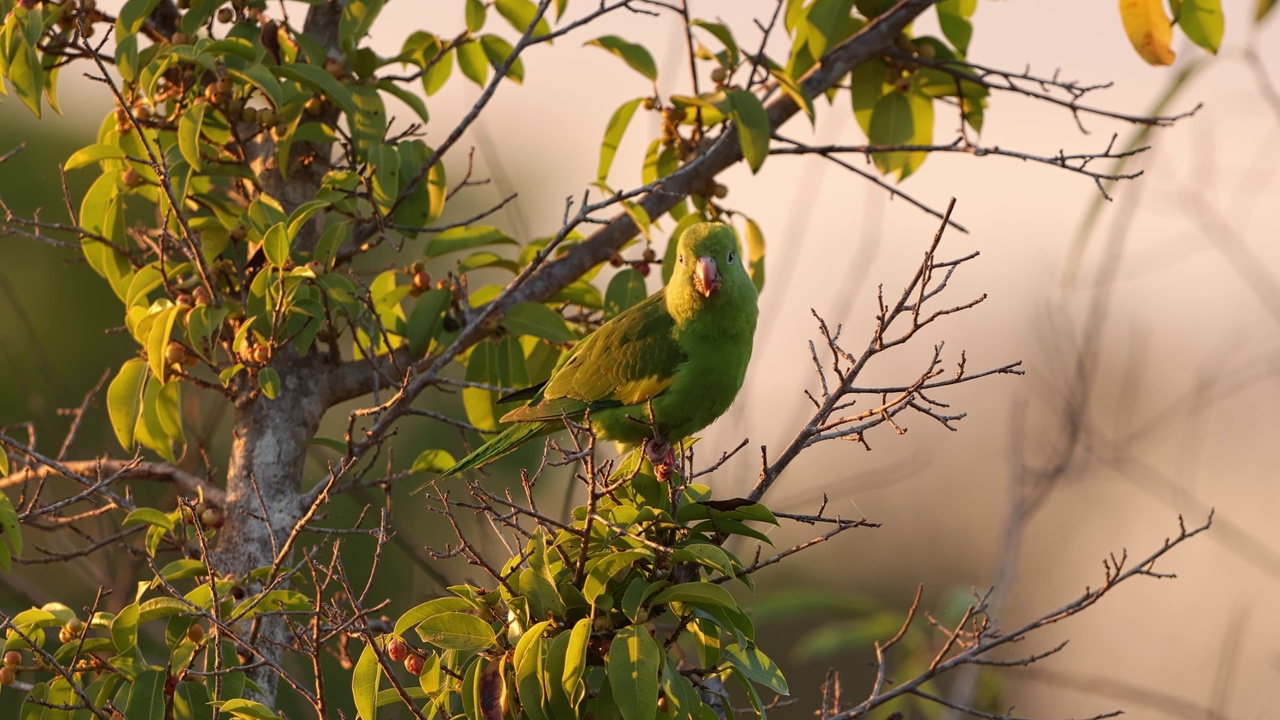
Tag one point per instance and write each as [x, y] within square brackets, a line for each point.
[630, 359]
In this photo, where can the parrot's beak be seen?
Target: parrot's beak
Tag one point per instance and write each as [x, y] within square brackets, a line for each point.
[706, 277]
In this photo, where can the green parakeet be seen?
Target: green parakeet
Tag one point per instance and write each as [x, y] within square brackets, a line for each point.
[684, 349]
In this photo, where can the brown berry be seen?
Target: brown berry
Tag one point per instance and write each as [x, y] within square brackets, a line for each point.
[249, 115]
[720, 191]
[903, 85]
[88, 5]
[131, 178]
[267, 117]
[184, 301]
[195, 633]
[142, 111]
[175, 352]
[7, 675]
[122, 115]
[616, 260]
[397, 650]
[642, 268]
[314, 106]
[179, 38]
[200, 296]
[226, 15]
[223, 84]
[926, 51]
[649, 103]
[719, 75]
[649, 255]
[13, 658]
[239, 233]
[170, 685]
[76, 626]
[260, 354]
[335, 67]
[422, 279]
[212, 518]
[414, 664]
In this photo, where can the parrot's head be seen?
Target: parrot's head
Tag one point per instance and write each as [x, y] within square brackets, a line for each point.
[709, 272]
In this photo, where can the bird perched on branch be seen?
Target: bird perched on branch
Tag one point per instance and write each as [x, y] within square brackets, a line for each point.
[682, 351]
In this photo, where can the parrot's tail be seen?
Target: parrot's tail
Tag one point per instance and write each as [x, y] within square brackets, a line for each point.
[510, 439]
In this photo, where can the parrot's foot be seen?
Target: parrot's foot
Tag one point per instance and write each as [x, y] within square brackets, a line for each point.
[662, 457]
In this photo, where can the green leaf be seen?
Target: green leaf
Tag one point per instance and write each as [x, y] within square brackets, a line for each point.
[10, 532]
[520, 14]
[475, 12]
[722, 34]
[124, 630]
[755, 254]
[636, 56]
[497, 51]
[456, 631]
[102, 214]
[434, 460]
[626, 288]
[473, 61]
[866, 87]
[357, 17]
[132, 15]
[124, 400]
[466, 238]
[695, 593]
[633, 663]
[431, 608]
[602, 570]
[146, 698]
[1203, 22]
[191, 702]
[575, 664]
[753, 126]
[438, 73]
[269, 381]
[613, 135]
[369, 123]
[158, 340]
[757, 666]
[365, 680]
[93, 153]
[275, 244]
[891, 124]
[427, 199]
[538, 320]
[320, 81]
[530, 664]
[1149, 30]
[259, 76]
[190, 125]
[148, 516]
[247, 709]
[425, 320]
[411, 99]
[955, 23]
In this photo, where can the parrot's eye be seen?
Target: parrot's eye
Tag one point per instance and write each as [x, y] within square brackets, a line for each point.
[731, 257]
[681, 258]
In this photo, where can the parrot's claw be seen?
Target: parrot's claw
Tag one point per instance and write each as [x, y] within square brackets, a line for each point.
[662, 457]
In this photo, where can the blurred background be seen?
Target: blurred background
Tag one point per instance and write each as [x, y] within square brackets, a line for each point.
[1170, 304]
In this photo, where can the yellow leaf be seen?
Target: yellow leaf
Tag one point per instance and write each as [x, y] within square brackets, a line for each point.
[1149, 29]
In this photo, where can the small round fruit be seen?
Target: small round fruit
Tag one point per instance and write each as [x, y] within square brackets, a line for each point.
[267, 117]
[314, 106]
[249, 115]
[720, 191]
[422, 279]
[142, 111]
[7, 675]
[649, 255]
[414, 664]
[927, 51]
[642, 268]
[212, 518]
[719, 75]
[335, 67]
[122, 115]
[239, 233]
[226, 15]
[76, 626]
[200, 296]
[131, 178]
[397, 650]
[903, 85]
[195, 633]
[13, 658]
[649, 103]
[223, 84]
[616, 260]
[179, 38]
[261, 353]
[175, 352]
[88, 5]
